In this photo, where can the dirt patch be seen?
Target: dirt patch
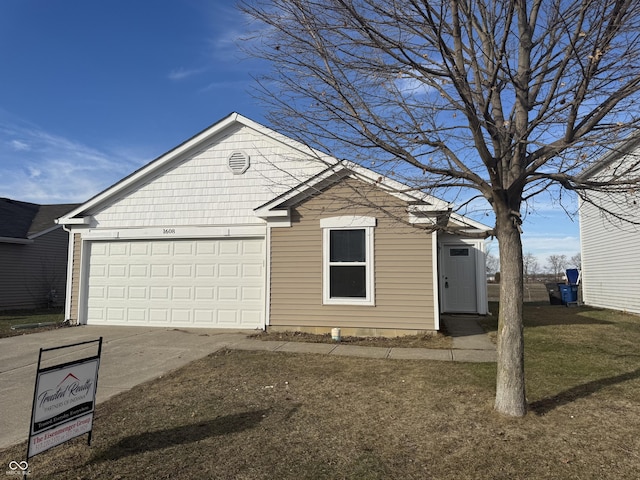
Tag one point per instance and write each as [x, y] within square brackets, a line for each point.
[437, 340]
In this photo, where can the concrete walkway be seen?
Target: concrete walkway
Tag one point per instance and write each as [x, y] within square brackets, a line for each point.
[134, 355]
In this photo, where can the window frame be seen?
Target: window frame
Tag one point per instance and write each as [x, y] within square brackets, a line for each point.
[349, 222]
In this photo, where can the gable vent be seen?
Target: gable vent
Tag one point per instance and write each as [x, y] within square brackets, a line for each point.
[238, 162]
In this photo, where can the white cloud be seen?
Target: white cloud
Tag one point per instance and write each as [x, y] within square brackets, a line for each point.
[34, 172]
[183, 73]
[55, 169]
[19, 145]
[544, 245]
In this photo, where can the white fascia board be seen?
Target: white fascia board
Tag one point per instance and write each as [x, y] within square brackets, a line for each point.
[395, 187]
[425, 209]
[465, 221]
[66, 220]
[270, 209]
[417, 220]
[266, 212]
[628, 147]
[178, 232]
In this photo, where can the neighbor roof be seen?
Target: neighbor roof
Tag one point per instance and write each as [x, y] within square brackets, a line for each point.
[23, 220]
[626, 147]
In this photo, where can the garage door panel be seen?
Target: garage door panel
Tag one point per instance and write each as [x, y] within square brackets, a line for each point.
[137, 315]
[115, 314]
[179, 315]
[161, 248]
[116, 293]
[158, 316]
[159, 293]
[205, 293]
[203, 317]
[181, 293]
[140, 248]
[138, 293]
[229, 248]
[204, 283]
[228, 293]
[206, 248]
[229, 271]
[249, 318]
[251, 293]
[182, 270]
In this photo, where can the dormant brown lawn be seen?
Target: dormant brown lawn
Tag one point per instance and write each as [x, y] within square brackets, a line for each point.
[258, 415]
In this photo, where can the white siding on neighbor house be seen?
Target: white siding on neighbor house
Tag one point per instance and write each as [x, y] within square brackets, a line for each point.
[202, 190]
[610, 258]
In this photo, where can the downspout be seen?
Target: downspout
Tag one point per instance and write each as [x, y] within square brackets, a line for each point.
[68, 287]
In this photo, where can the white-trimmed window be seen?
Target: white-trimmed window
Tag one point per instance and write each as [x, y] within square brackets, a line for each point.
[347, 251]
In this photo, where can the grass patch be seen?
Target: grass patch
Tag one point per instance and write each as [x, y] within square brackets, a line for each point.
[438, 340]
[265, 415]
[25, 317]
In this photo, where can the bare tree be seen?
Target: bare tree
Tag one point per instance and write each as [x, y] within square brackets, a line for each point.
[493, 263]
[530, 266]
[576, 261]
[489, 103]
[556, 265]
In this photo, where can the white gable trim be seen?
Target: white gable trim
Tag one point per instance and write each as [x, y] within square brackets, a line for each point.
[175, 232]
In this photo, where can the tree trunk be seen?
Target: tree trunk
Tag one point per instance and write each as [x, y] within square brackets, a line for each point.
[510, 385]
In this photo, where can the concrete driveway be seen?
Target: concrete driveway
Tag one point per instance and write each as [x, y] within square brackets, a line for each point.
[130, 356]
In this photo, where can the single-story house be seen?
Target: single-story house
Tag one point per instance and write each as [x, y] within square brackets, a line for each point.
[33, 255]
[610, 275]
[242, 227]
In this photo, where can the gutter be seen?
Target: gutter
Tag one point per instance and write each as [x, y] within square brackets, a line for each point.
[20, 241]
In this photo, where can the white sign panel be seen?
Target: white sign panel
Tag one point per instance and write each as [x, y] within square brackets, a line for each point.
[50, 438]
[63, 403]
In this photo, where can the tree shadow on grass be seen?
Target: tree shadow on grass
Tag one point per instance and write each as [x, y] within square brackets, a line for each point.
[541, 407]
[183, 434]
[544, 315]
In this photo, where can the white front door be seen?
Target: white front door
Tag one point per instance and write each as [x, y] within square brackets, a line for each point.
[458, 279]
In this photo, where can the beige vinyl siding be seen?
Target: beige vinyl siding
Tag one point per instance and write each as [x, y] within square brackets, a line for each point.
[31, 271]
[402, 265]
[75, 277]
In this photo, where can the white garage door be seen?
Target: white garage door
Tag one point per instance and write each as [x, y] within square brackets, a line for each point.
[211, 283]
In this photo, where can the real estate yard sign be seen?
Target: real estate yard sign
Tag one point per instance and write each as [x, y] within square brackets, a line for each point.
[63, 401]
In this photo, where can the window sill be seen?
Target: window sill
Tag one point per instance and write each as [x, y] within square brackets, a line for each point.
[349, 301]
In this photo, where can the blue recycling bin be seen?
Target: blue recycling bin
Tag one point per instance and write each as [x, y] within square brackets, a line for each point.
[572, 276]
[568, 293]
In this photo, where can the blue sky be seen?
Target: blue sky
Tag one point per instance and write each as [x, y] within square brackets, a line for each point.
[90, 91]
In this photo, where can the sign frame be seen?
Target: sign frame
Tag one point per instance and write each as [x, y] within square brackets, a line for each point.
[64, 400]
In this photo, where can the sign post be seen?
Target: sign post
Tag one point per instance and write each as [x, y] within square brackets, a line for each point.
[64, 400]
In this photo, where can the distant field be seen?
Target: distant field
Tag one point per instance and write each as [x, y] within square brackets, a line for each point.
[533, 292]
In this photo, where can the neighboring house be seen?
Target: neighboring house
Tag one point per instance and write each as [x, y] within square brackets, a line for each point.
[242, 227]
[33, 255]
[609, 245]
